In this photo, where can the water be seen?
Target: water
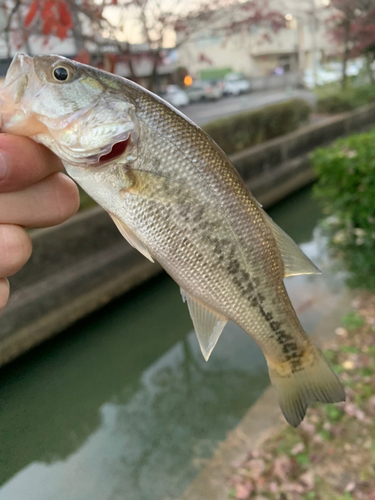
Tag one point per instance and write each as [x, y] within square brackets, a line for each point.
[123, 406]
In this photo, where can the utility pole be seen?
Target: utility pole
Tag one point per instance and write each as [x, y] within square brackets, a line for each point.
[313, 30]
[301, 47]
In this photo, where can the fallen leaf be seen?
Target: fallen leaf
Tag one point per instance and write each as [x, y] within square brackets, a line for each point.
[350, 487]
[360, 415]
[308, 479]
[282, 466]
[299, 447]
[273, 487]
[293, 488]
[244, 490]
[256, 467]
[307, 427]
[342, 332]
[348, 365]
[350, 409]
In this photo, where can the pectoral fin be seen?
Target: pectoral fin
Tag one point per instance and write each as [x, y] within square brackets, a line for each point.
[131, 238]
[160, 188]
[207, 324]
[294, 260]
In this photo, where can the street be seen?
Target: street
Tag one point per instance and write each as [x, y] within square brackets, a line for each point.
[204, 112]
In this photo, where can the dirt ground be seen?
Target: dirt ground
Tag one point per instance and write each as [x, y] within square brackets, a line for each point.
[331, 456]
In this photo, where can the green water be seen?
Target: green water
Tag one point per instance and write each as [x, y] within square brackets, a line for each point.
[122, 405]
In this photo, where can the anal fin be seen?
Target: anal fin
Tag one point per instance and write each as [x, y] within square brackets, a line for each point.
[207, 324]
[131, 238]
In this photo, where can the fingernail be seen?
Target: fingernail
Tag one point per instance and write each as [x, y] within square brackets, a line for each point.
[3, 167]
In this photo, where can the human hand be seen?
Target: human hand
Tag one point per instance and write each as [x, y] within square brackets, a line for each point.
[33, 193]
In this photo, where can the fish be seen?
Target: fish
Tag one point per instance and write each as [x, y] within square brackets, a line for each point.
[175, 196]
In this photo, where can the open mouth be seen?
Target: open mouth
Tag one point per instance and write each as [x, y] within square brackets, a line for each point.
[117, 150]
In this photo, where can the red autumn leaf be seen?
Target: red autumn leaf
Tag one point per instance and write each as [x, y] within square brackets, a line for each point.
[61, 31]
[83, 57]
[31, 14]
[65, 16]
[47, 10]
[48, 26]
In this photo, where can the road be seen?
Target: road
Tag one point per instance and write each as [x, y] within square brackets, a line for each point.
[205, 112]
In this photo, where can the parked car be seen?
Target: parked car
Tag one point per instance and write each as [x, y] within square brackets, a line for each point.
[236, 84]
[201, 90]
[331, 72]
[322, 77]
[175, 95]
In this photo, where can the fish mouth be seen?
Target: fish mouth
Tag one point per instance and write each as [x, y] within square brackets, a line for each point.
[121, 150]
[117, 150]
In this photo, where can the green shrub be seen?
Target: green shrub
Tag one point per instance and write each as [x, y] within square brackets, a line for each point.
[346, 187]
[333, 100]
[247, 129]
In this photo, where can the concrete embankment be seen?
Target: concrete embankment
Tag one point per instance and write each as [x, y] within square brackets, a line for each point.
[83, 264]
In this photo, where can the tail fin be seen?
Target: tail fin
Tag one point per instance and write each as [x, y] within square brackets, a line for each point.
[313, 381]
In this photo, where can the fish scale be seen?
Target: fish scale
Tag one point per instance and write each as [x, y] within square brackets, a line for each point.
[175, 196]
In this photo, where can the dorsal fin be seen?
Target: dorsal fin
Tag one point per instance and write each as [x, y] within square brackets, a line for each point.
[207, 324]
[131, 238]
[294, 260]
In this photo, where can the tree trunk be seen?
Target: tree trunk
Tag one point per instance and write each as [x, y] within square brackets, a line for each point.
[346, 56]
[77, 27]
[369, 60]
[154, 77]
[8, 41]
[127, 51]
[133, 76]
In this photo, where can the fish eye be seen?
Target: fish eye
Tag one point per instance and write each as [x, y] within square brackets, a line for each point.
[61, 74]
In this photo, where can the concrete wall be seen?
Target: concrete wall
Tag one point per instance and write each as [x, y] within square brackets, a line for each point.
[83, 264]
[273, 82]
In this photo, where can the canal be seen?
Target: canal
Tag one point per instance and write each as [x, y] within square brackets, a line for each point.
[123, 406]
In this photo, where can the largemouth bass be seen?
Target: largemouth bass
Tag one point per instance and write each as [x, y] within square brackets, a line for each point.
[175, 197]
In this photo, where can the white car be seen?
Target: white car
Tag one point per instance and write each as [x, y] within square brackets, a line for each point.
[323, 76]
[204, 91]
[175, 95]
[331, 73]
[235, 84]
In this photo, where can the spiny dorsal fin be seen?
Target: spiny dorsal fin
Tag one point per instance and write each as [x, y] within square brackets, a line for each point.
[295, 261]
[131, 238]
[207, 324]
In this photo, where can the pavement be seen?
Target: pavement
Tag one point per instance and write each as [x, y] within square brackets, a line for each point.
[204, 112]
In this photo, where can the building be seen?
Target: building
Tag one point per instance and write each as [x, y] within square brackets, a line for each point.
[254, 51]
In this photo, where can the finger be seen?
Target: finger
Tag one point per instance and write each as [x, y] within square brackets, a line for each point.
[24, 162]
[15, 249]
[4, 292]
[46, 203]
